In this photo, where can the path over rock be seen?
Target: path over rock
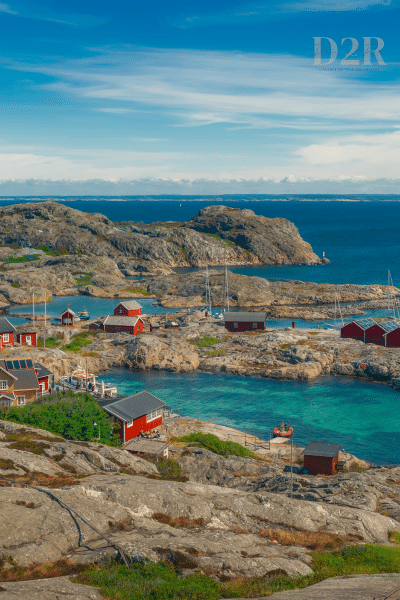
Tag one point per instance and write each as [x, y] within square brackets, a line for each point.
[48, 589]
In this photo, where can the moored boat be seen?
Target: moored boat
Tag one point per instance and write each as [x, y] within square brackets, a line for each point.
[283, 429]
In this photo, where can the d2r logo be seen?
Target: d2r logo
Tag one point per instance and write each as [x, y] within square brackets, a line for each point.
[354, 47]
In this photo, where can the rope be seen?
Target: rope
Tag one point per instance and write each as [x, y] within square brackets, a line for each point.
[65, 505]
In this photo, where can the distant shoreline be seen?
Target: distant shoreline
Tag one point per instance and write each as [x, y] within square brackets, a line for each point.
[370, 198]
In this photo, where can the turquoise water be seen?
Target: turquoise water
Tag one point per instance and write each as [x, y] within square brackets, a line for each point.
[363, 417]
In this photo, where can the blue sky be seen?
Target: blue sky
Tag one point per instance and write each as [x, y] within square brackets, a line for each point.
[205, 97]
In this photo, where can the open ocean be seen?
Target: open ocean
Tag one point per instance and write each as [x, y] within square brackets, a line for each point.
[362, 240]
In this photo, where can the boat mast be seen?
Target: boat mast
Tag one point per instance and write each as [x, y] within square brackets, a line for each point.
[226, 284]
[208, 294]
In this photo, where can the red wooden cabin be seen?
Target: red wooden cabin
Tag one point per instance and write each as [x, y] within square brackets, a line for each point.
[392, 335]
[244, 321]
[321, 458]
[114, 324]
[130, 308]
[7, 332]
[141, 412]
[27, 337]
[45, 378]
[355, 330]
[68, 317]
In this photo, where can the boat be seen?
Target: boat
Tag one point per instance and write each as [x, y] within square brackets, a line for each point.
[84, 315]
[283, 429]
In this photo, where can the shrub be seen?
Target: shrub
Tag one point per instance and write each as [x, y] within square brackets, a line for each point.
[168, 469]
[308, 539]
[23, 259]
[213, 443]
[67, 414]
[137, 291]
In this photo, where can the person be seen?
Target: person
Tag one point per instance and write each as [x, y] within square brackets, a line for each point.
[57, 389]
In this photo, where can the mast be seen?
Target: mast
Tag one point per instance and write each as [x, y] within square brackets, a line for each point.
[208, 295]
[388, 292]
[226, 284]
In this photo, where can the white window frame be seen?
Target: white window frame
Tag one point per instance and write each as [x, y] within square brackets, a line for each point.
[6, 338]
[236, 325]
[129, 424]
[4, 384]
[255, 325]
[20, 400]
[155, 414]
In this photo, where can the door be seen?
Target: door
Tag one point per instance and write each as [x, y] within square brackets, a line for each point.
[42, 388]
[29, 340]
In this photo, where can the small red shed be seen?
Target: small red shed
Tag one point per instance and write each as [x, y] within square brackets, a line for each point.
[141, 412]
[68, 317]
[244, 321]
[45, 378]
[321, 458]
[7, 332]
[355, 330]
[114, 324]
[96, 325]
[130, 308]
[392, 335]
[27, 337]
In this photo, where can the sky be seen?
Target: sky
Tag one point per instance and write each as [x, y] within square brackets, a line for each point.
[202, 97]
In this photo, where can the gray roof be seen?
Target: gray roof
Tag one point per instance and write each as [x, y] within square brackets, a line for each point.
[321, 449]
[389, 326]
[41, 370]
[363, 323]
[240, 317]
[115, 320]
[68, 310]
[135, 406]
[9, 396]
[146, 446]
[26, 380]
[5, 326]
[130, 305]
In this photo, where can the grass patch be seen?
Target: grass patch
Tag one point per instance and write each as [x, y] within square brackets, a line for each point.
[79, 341]
[56, 568]
[58, 251]
[205, 341]
[309, 539]
[23, 259]
[394, 537]
[168, 469]
[160, 581]
[15, 285]
[211, 442]
[84, 279]
[284, 346]
[6, 464]
[216, 352]
[155, 581]
[137, 291]
[51, 342]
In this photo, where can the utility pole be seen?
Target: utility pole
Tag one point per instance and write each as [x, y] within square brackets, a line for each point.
[45, 307]
[33, 308]
[87, 380]
[291, 465]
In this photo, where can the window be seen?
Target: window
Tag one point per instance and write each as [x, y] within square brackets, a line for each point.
[3, 385]
[129, 424]
[155, 414]
[236, 325]
[20, 400]
[254, 325]
[6, 337]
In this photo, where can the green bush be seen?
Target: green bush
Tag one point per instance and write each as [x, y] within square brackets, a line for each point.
[137, 291]
[167, 468]
[67, 414]
[84, 279]
[79, 340]
[211, 442]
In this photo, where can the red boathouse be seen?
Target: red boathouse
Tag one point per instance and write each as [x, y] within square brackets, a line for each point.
[130, 308]
[114, 324]
[392, 335]
[244, 321]
[355, 330]
[68, 317]
[141, 412]
[321, 458]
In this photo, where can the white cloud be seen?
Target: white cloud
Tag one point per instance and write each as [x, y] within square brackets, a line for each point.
[6, 9]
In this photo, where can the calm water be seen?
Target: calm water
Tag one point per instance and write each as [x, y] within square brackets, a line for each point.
[363, 417]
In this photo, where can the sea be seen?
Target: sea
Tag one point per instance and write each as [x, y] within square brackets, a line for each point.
[360, 235]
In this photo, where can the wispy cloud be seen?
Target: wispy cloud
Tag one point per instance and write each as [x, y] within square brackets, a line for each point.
[29, 10]
[232, 88]
[266, 11]
[6, 9]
